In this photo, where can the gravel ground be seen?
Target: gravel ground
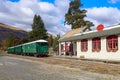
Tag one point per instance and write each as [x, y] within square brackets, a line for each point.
[19, 68]
[92, 66]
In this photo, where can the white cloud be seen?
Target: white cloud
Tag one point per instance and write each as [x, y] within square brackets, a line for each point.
[104, 15]
[46, 7]
[20, 14]
[114, 1]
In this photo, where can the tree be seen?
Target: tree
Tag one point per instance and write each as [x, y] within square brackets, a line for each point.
[75, 16]
[56, 43]
[38, 29]
[50, 40]
[10, 40]
[22, 41]
[4, 45]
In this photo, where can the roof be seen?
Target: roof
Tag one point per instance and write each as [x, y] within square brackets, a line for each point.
[44, 41]
[113, 30]
[72, 33]
[36, 41]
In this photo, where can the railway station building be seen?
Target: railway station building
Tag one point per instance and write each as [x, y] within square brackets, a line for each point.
[96, 44]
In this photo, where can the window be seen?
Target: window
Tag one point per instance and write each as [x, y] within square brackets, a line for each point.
[96, 44]
[43, 44]
[84, 45]
[112, 43]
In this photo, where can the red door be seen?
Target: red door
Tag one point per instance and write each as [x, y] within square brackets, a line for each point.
[66, 48]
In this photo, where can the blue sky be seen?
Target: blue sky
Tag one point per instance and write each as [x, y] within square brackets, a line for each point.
[14, 0]
[20, 13]
[91, 3]
[100, 3]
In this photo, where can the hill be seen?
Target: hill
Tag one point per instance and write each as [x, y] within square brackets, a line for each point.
[6, 31]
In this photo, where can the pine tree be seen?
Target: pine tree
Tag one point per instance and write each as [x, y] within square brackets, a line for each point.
[22, 41]
[75, 16]
[38, 29]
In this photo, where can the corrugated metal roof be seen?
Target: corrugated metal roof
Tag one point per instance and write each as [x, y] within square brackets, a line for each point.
[72, 33]
[91, 34]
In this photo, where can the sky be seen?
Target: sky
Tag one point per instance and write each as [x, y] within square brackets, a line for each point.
[20, 13]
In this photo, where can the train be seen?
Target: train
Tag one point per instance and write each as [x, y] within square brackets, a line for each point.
[35, 48]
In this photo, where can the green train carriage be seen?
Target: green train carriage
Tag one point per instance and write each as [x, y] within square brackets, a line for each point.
[11, 50]
[18, 49]
[36, 48]
[15, 49]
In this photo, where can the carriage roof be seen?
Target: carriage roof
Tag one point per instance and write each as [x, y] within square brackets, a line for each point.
[41, 41]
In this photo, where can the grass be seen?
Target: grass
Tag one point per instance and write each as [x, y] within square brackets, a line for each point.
[2, 52]
[51, 52]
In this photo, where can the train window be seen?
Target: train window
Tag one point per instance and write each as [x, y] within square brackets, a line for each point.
[43, 44]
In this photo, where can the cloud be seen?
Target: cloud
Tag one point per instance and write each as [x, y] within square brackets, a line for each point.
[114, 1]
[104, 15]
[21, 13]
